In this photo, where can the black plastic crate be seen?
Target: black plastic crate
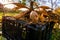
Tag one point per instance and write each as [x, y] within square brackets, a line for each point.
[39, 31]
[12, 29]
[21, 30]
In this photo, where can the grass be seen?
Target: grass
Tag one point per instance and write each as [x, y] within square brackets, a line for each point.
[6, 14]
[0, 37]
[55, 34]
[1, 14]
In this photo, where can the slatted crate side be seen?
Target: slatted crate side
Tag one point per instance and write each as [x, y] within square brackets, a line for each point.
[34, 33]
[40, 34]
[11, 28]
[49, 31]
[15, 28]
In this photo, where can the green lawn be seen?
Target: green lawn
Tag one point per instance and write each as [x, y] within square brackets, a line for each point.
[1, 14]
[6, 14]
[0, 37]
[55, 34]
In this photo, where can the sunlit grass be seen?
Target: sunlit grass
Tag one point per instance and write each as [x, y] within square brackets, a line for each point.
[0, 37]
[55, 34]
[6, 14]
[1, 14]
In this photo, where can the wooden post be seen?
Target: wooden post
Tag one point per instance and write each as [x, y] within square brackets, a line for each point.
[31, 5]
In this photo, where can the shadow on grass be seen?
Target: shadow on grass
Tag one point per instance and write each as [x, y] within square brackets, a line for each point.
[55, 34]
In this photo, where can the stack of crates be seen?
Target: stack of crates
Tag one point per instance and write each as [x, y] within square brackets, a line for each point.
[21, 30]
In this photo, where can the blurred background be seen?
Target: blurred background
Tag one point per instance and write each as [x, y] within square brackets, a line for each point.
[8, 9]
